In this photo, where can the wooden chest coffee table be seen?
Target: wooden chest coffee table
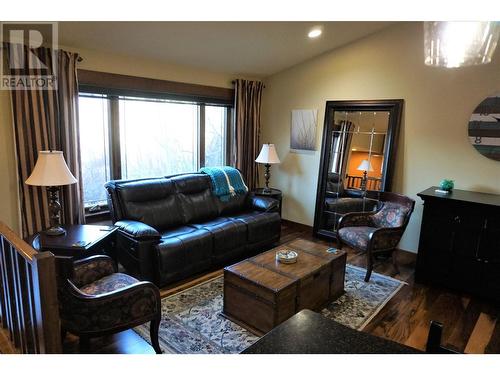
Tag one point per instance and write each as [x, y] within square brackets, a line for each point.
[260, 292]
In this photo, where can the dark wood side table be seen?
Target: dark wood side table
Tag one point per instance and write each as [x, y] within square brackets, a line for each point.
[273, 193]
[80, 241]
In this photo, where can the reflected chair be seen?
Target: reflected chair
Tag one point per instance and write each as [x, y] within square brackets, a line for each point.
[95, 300]
[339, 201]
[377, 232]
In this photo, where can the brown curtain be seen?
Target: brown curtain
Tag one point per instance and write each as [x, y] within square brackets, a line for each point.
[43, 120]
[341, 146]
[246, 145]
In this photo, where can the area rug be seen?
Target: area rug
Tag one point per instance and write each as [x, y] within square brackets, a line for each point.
[192, 323]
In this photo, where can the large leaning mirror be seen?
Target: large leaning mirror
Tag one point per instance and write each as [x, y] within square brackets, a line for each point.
[357, 159]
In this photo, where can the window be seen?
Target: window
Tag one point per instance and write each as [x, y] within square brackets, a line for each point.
[131, 137]
[215, 134]
[94, 145]
[157, 138]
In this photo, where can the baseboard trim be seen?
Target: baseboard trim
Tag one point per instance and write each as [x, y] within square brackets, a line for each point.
[406, 256]
[301, 227]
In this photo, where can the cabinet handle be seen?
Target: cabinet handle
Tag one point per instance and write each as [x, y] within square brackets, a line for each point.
[486, 261]
[457, 219]
[452, 241]
[478, 247]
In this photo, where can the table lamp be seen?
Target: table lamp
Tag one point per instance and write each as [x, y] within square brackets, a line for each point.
[267, 157]
[51, 171]
[365, 166]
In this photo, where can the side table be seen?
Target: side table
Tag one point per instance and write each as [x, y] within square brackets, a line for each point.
[272, 193]
[80, 241]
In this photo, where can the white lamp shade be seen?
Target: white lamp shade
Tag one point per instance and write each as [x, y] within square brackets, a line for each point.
[365, 166]
[268, 155]
[51, 170]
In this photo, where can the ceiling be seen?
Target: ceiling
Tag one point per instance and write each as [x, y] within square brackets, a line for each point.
[249, 48]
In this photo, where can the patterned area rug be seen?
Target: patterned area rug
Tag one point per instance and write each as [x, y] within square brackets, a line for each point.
[192, 323]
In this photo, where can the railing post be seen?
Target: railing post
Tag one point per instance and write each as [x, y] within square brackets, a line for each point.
[47, 307]
[29, 307]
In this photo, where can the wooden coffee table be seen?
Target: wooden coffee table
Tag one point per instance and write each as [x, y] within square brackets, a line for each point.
[260, 292]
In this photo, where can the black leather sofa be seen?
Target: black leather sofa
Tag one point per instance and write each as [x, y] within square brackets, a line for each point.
[340, 201]
[173, 227]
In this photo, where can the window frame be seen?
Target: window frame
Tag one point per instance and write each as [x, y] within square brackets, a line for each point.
[114, 86]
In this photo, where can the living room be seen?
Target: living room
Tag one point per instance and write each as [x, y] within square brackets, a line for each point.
[279, 187]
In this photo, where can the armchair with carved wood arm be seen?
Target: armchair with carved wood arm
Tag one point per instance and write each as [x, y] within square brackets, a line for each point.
[96, 300]
[377, 232]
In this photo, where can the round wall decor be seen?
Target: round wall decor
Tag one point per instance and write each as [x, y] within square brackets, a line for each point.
[484, 127]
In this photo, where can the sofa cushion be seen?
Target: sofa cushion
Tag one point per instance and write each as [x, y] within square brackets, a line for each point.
[260, 225]
[227, 234]
[234, 204]
[184, 250]
[334, 184]
[391, 215]
[195, 196]
[151, 201]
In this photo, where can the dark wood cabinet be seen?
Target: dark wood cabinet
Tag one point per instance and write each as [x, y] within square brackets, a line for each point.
[460, 242]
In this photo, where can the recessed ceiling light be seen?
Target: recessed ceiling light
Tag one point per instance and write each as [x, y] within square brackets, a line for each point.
[314, 33]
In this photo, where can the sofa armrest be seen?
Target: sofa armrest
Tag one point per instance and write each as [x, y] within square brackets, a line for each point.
[332, 194]
[138, 230]
[265, 204]
[354, 193]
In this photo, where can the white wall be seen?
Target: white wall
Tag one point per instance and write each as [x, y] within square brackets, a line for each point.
[433, 142]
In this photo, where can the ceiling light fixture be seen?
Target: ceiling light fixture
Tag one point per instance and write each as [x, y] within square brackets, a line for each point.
[455, 44]
[314, 33]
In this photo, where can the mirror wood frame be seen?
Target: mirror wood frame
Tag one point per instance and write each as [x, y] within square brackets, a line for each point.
[395, 108]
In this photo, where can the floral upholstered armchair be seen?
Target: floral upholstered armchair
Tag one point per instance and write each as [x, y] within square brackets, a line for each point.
[96, 300]
[377, 232]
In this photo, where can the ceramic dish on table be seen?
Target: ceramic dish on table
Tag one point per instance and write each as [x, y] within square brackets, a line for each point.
[286, 256]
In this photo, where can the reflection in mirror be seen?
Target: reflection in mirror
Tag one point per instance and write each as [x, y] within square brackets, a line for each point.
[359, 144]
[354, 162]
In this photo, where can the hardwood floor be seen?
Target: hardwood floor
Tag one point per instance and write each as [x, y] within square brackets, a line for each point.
[470, 325]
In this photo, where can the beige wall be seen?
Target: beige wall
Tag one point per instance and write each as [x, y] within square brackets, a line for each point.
[387, 65]
[93, 60]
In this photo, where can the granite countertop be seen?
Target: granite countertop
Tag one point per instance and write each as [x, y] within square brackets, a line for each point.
[308, 332]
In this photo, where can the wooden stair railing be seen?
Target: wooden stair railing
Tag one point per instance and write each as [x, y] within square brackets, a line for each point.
[355, 182]
[28, 295]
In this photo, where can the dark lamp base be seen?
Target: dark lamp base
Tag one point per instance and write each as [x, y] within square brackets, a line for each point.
[55, 231]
